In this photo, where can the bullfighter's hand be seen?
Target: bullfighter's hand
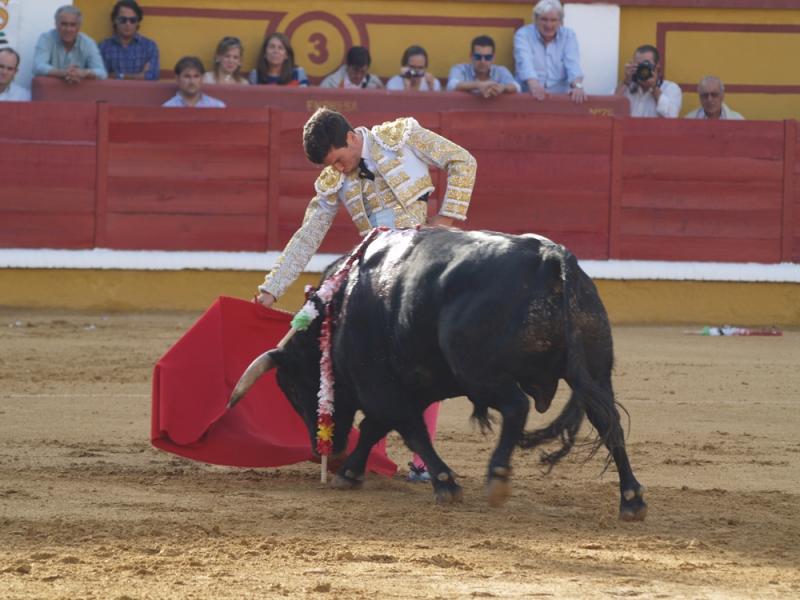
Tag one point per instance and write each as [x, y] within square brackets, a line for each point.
[439, 220]
[266, 299]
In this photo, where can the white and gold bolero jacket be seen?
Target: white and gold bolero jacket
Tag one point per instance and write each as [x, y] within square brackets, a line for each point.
[402, 151]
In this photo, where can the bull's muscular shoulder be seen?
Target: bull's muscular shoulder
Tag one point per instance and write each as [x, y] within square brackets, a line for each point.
[329, 182]
[393, 135]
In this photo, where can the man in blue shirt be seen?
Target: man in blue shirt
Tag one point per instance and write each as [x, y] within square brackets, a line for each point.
[127, 54]
[189, 72]
[482, 76]
[66, 53]
[546, 54]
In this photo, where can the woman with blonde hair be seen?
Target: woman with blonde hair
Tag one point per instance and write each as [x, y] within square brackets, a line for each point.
[276, 63]
[227, 63]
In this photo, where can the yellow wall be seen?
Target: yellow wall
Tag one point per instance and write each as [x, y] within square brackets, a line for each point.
[737, 58]
[691, 302]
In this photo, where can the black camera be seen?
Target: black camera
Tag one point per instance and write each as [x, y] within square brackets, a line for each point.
[413, 73]
[644, 71]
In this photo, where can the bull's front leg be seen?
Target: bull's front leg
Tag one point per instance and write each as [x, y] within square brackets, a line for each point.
[415, 435]
[514, 407]
[350, 475]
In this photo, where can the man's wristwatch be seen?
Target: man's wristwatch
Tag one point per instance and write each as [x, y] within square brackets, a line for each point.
[578, 85]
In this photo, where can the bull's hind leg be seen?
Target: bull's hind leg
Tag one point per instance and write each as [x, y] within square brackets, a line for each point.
[350, 475]
[606, 420]
[415, 435]
[514, 406]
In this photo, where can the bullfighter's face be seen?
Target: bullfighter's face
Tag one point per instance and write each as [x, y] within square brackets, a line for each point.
[346, 159]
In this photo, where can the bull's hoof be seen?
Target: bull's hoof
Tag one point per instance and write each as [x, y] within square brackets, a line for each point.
[498, 492]
[347, 481]
[446, 490]
[498, 489]
[632, 506]
[449, 495]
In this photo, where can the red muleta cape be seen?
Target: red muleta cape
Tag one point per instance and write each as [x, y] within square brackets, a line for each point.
[193, 381]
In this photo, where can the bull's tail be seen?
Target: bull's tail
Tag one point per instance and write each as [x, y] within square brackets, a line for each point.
[586, 395]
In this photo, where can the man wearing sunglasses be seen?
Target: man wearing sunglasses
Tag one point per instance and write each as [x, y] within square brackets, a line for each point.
[712, 106]
[482, 76]
[127, 54]
[66, 53]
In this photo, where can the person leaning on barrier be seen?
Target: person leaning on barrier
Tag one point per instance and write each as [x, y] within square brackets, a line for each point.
[546, 55]
[189, 72]
[66, 53]
[481, 75]
[711, 92]
[9, 65]
[128, 54]
[275, 64]
[414, 75]
[227, 63]
[649, 94]
[354, 74]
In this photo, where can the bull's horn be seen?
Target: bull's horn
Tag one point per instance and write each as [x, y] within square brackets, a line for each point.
[257, 368]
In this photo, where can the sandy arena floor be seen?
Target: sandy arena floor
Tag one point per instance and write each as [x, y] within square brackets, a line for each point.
[88, 509]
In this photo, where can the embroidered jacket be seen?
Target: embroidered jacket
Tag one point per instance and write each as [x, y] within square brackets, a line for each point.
[402, 151]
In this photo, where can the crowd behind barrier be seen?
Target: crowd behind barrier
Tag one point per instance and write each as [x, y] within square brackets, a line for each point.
[98, 174]
[546, 57]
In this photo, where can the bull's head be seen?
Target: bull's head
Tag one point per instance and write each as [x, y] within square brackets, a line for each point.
[298, 376]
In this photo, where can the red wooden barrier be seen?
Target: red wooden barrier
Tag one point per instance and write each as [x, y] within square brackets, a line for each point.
[791, 194]
[189, 180]
[47, 171]
[700, 190]
[84, 175]
[548, 174]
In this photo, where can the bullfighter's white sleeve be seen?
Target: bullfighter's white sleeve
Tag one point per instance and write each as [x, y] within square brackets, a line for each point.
[460, 165]
[304, 243]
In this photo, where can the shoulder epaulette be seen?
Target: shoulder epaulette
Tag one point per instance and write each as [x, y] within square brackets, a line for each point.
[329, 182]
[393, 135]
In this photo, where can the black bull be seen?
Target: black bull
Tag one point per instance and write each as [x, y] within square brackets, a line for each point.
[438, 313]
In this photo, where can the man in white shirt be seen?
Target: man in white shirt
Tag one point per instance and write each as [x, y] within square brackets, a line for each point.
[712, 95]
[649, 94]
[9, 65]
[189, 72]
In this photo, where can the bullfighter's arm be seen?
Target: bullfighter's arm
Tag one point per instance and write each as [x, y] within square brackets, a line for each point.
[304, 243]
[460, 165]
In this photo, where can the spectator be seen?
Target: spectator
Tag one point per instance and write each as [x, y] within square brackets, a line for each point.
[650, 94]
[276, 64]
[9, 65]
[482, 76]
[712, 95]
[227, 63]
[66, 53]
[547, 56]
[189, 73]
[354, 74]
[127, 54]
[414, 76]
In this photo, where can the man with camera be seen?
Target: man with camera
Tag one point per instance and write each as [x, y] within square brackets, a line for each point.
[648, 92]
